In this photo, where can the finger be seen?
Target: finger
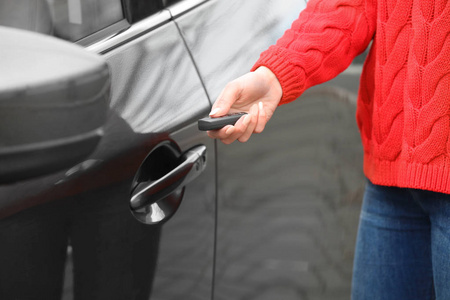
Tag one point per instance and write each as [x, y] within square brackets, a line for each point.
[253, 118]
[238, 129]
[227, 97]
[262, 119]
[222, 133]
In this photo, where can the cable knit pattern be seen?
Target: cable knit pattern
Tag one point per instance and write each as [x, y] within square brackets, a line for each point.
[403, 106]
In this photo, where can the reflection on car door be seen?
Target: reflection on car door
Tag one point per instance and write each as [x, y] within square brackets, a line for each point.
[158, 93]
[156, 98]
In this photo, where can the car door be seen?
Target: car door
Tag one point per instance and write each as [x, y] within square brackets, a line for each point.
[289, 198]
[78, 220]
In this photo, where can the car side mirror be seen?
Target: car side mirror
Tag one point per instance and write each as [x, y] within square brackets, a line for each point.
[53, 103]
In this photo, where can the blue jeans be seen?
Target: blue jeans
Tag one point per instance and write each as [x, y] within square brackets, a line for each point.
[403, 245]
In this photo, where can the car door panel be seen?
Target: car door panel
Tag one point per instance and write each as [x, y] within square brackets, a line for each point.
[156, 96]
[232, 34]
[157, 91]
[287, 199]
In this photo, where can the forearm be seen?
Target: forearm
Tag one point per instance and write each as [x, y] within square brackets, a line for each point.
[321, 43]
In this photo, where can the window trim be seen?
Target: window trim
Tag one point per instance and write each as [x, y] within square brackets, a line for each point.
[133, 31]
[104, 33]
[184, 6]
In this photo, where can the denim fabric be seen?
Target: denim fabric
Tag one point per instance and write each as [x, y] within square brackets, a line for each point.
[403, 245]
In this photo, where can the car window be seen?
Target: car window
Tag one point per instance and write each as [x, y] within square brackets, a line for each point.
[68, 19]
[75, 19]
[166, 3]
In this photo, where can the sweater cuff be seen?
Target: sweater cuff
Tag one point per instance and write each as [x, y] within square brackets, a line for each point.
[291, 78]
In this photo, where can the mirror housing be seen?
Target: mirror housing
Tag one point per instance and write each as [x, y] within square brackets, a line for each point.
[53, 103]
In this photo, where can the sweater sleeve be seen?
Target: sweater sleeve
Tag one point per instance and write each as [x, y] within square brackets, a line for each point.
[320, 44]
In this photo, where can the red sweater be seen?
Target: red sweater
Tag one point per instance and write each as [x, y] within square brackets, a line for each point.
[403, 105]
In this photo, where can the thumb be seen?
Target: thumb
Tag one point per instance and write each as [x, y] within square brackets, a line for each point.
[226, 99]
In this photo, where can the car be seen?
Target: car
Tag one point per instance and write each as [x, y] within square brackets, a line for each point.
[109, 190]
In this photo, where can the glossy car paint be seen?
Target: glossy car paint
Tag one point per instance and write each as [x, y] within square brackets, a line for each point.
[157, 96]
[157, 91]
[226, 37]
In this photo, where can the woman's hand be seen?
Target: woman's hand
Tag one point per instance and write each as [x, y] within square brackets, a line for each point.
[257, 93]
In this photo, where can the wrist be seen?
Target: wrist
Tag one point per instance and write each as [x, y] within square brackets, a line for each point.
[272, 81]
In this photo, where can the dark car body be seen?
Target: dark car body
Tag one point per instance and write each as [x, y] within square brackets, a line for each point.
[220, 236]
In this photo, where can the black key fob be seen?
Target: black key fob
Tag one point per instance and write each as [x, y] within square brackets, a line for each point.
[209, 123]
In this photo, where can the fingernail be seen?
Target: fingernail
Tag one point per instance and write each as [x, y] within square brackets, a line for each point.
[261, 106]
[214, 111]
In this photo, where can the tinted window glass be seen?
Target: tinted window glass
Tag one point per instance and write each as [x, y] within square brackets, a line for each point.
[169, 2]
[68, 19]
[137, 10]
[75, 19]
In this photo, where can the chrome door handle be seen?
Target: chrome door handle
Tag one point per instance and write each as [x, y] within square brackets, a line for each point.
[193, 162]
